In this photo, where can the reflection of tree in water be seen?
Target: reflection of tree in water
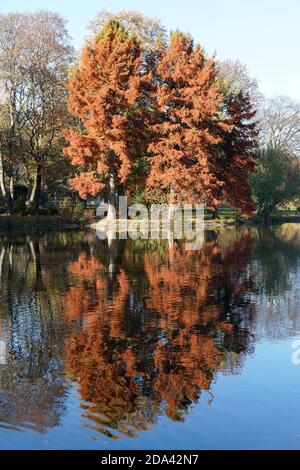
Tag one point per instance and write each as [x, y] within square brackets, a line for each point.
[275, 264]
[276, 260]
[32, 382]
[142, 327]
[152, 334]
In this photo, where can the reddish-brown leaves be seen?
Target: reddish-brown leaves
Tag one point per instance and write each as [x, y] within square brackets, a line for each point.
[198, 144]
[188, 99]
[104, 93]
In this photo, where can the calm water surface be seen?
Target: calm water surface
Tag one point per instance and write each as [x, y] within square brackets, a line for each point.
[143, 345]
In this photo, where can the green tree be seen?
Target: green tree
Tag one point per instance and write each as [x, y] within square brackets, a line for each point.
[276, 181]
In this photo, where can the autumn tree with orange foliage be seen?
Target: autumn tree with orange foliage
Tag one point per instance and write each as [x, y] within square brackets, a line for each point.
[188, 99]
[104, 95]
[194, 123]
[171, 119]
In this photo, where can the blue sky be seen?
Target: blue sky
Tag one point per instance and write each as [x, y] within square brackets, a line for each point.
[264, 34]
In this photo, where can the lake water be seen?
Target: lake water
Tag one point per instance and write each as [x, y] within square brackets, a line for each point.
[146, 345]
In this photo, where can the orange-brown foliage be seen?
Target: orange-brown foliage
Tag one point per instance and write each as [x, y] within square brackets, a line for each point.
[158, 341]
[198, 145]
[103, 96]
[188, 98]
[203, 143]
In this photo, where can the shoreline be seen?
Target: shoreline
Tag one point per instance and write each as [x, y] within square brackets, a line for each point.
[38, 223]
[54, 223]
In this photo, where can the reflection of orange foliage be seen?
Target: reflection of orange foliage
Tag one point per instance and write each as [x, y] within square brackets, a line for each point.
[76, 303]
[86, 267]
[152, 340]
[226, 326]
[184, 369]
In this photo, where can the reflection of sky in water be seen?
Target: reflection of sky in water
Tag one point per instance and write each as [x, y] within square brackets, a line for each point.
[165, 349]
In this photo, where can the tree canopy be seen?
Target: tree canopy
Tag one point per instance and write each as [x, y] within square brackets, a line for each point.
[197, 143]
[276, 180]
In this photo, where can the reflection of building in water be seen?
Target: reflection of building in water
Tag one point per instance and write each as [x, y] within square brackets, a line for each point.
[152, 334]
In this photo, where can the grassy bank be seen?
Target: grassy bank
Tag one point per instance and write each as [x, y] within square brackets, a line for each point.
[37, 223]
[52, 223]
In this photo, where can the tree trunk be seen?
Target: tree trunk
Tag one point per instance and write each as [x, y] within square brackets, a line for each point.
[2, 256]
[11, 188]
[172, 207]
[170, 213]
[2, 182]
[5, 194]
[215, 213]
[33, 203]
[111, 209]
